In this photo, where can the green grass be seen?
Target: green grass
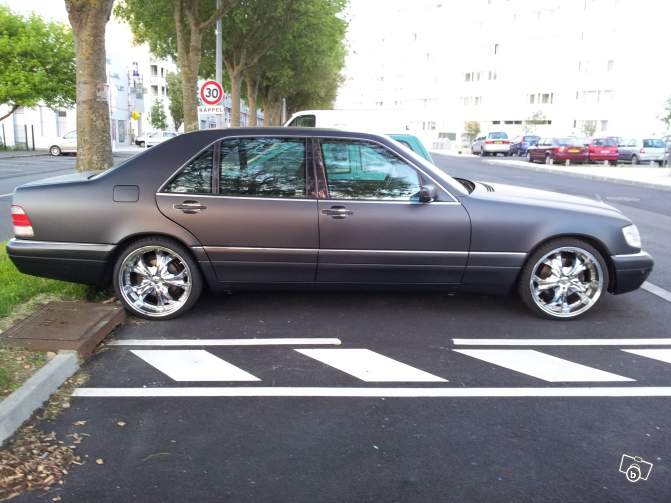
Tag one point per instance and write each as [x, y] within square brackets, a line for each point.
[17, 289]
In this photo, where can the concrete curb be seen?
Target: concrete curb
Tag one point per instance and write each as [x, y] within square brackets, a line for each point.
[20, 405]
[10, 156]
[543, 169]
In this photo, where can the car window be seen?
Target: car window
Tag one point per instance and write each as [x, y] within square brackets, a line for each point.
[71, 135]
[262, 167]
[497, 136]
[653, 143]
[195, 177]
[363, 170]
[303, 121]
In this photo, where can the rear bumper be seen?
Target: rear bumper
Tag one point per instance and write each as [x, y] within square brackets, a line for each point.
[496, 148]
[630, 271]
[77, 262]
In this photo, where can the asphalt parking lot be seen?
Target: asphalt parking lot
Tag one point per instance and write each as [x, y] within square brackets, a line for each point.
[386, 396]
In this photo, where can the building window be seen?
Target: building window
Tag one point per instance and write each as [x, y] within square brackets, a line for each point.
[154, 90]
[532, 99]
[610, 65]
[496, 49]
[604, 125]
[154, 70]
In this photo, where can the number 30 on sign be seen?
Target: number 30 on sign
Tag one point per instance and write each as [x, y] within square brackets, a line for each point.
[211, 92]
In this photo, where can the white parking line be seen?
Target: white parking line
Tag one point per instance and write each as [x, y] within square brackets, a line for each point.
[656, 290]
[193, 365]
[663, 355]
[225, 342]
[369, 366]
[261, 391]
[546, 367]
[562, 342]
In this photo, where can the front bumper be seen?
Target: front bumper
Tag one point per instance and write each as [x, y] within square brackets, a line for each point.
[630, 271]
[76, 262]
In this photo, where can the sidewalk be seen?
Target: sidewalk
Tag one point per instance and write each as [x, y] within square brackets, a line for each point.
[13, 154]
[640, 175]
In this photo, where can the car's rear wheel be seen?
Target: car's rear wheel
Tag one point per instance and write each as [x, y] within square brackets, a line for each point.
[563, 279]
[529, 159]
[634, 159]
[156, 278]
[55, 150]
[549, 159]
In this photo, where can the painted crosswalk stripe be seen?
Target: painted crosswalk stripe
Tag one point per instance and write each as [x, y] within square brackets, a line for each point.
[305, 341]
[542, 366]
[193, 365]
[563, 342]
[378, 392]
[369, 366]
[663, 355]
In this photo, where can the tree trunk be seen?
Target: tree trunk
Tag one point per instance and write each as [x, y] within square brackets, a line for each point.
[188, 60]
[252, 91]
[88, 19]
[236, 84]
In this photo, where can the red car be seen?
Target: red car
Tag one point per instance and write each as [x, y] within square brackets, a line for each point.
[603, 149]
[551, 150]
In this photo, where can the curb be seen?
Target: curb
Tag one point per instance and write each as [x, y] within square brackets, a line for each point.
[543, 169]
[20, 405]
[23, 156]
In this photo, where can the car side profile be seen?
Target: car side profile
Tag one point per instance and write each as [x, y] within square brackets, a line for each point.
[313, 208]
[66, 144]
[637, 150]
[521, 144]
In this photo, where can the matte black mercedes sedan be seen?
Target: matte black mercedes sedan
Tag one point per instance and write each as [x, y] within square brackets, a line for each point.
[316, 208]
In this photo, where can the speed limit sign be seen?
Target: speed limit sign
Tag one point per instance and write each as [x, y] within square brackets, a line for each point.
[211, 92]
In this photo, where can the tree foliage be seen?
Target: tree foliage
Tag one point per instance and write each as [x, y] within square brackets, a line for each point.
[175, 96]
[472, 129]
[666, 117]
[157, 117]
[37, 62]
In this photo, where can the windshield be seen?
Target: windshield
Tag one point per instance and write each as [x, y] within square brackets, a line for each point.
[653, 143]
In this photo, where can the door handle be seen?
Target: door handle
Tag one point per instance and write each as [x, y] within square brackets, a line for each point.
[189, 206]
[338, 212]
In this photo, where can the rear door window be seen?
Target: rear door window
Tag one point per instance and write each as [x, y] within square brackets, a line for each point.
[262, 167]
[195, 177]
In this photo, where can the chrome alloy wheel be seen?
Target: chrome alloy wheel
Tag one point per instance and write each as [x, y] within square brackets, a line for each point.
[566, 282]
[155, 281]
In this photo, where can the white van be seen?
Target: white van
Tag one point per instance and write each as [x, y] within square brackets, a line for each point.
[370, 121]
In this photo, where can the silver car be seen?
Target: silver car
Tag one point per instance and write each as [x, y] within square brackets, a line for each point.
[496, 142]
[64, 144]
[636, 150]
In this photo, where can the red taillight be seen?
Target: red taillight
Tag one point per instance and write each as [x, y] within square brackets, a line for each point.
[489, 142]
[506, 142]
[561, 149]
[642, 151]
[21, 222]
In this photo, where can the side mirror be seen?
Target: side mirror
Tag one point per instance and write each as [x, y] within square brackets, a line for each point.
[427, 193]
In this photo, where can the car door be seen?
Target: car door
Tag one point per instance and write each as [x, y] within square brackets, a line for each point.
[69, 142]
[372, 227]
[245, 200]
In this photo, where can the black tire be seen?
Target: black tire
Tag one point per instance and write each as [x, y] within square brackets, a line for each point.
[634, 160]
[55, 150]
[524, 283]
[141, 144]
[549, 159]
[173, 246]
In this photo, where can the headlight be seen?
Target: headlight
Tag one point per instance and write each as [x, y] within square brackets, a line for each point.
[631, 236]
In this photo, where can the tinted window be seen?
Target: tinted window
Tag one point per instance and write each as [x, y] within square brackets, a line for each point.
[361, 170]
[303, 121]
[195, 177]
[262, 167]
[497, 136]
[653, 143]
[605, 142]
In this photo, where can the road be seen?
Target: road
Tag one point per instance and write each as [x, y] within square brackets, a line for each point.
[357, 397]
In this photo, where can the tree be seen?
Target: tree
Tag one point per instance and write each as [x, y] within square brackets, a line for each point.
[88, 19]
[175, 95]
[589, 128]
[157, 117]
[175, 28]
[536, 119]
[472, 129]
[38, 63]
[666, 118]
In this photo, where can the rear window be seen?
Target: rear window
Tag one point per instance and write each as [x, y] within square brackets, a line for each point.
[653, 143]
[530, 139]
[605, 142]
[497, 136]
[568, 142]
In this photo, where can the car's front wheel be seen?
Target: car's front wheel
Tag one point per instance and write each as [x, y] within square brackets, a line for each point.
[156, 278]
[55, 150]
[563, 279]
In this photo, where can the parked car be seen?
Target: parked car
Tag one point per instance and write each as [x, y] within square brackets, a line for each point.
[66, 144]
[636, 150]
[154, 138]
[551, 150]
[249, 207]
[493, 143]
[603, 149]
[521, 144]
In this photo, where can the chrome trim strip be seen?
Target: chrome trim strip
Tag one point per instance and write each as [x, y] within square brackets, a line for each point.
[259, 249]
[512, 254]
[56, 244]
[219, 196]
[632, 255]
[428, 252]
[388, 201]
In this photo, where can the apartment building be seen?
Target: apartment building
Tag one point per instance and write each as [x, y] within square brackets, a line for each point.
[579, 67]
